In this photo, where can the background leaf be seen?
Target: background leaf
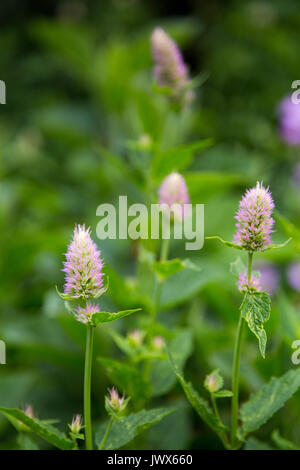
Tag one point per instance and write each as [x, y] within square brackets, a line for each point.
[269, 399]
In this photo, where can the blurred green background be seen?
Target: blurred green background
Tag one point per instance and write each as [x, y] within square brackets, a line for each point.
[79, 97]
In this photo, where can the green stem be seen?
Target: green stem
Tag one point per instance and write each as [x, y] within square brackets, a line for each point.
[236, 368]
[103, 442]
[222, 434]
[87, 387]
[164, 249]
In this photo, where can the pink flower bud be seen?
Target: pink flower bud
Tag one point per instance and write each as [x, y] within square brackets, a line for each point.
[173, 190]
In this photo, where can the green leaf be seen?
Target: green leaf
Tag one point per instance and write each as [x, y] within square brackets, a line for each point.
[45, 431]
[197, 402]
[255, 309]
[223, 394]
[105, 317]
[204, 184]
[162, 375]
[269, 399]
[126, 377]
[126, 429]
[26, 443]
[274, 246]
[165, 269]
[282, 443]
[176, 159]
[224, 242]
[255, 444]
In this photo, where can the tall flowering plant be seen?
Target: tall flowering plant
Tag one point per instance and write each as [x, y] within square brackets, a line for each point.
[84, 284]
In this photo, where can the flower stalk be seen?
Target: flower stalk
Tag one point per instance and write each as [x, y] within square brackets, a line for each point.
[236, 367]
[87, 387]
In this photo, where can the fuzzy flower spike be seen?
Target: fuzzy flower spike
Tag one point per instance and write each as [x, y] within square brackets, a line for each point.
[170, 70]
[173, 190]
[83, 266]
[254, 221]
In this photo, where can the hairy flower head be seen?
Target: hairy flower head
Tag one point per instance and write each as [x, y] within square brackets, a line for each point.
[244, 285]
[114, 404]
[170, 70]
[254, 221]
[85, 314]
[173, 192]
[83, 266]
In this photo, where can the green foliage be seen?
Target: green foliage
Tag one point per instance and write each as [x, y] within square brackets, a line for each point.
[165, 269]
[269, 399]
[255, 309]
[282, 443]
[105, 317]
[42, 429]
[126, 429]
[198, 403]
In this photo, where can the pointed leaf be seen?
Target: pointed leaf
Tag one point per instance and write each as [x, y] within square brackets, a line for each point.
[45, 431]
[197, 402]
[105, 317]
[269, 399]
[255, 309]
[126, 429]
[224, 242]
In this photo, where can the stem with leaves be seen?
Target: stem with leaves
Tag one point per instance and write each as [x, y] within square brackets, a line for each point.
[87, 387]
[236, 368]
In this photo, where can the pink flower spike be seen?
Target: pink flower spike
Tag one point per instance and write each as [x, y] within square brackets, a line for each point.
[254, 221]
[83, 266]
[170, 70]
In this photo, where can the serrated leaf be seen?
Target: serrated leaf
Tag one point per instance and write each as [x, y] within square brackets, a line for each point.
[226, 243]
[126, 429]
[269, 399]
[255, 309]
[223, 394]
[105, 317]
[198, 403]
[282, 443]
[45, 431]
